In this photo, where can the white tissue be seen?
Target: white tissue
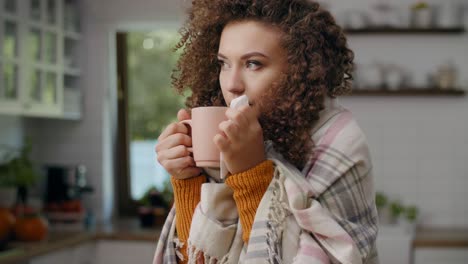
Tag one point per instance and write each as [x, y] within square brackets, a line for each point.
[240, 101]
[235, 103]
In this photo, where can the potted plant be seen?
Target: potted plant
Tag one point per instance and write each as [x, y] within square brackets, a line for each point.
[411, 215]
[154, 207]
[396, 209]
[8, 186]
[18, 171]
[381, 201]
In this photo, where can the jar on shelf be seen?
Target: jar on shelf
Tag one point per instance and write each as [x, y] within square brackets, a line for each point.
[421, 15]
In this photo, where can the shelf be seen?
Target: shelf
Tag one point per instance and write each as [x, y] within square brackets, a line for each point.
[72, 116]
[9, 17]
[408, 92]
[38, 25]
[72, 71]
[9, 59]
[72, 35]
[409, 31]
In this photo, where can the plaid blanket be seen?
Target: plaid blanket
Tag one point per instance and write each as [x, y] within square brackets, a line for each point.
[324, 214]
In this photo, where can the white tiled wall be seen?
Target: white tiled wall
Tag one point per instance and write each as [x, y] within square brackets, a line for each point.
[420, 153]
[11, 132]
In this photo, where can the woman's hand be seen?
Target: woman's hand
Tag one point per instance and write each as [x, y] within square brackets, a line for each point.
[241, 140]
[172, 150]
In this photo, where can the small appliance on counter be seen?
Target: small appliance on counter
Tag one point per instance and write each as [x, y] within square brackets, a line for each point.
[64, 190]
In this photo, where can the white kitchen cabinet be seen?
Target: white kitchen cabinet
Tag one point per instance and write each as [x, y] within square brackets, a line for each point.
[111, 252]
[39, 60]
[441, 255]
[82, 254]
[101, 252]
[394, 245]
[61, 256]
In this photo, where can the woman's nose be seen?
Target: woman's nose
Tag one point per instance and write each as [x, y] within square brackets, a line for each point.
[235, 82]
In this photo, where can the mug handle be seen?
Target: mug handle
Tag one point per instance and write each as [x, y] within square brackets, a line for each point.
[188, 123]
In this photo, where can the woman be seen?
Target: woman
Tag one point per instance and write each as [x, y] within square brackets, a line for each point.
[300, 184]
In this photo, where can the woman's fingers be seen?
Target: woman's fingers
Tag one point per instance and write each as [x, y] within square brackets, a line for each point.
[230, 129]
[173, 153]
[181, 168]
[183, 115]
[173, 128]
[174, 140]
[237, 116]
[188, 172]
[222, 142]
[178, 163]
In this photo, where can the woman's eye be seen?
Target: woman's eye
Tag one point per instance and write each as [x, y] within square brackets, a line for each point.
[253, 65]
[222, 64]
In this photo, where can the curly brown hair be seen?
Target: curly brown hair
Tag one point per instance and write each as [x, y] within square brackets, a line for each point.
[319, 64]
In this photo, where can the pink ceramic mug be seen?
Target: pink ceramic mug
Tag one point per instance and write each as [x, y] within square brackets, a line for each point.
[204, 125]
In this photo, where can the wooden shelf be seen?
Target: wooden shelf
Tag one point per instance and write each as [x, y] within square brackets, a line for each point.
[407, 92]
[409, 31]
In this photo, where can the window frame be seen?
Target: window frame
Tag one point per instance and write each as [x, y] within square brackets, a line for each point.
[126, 205]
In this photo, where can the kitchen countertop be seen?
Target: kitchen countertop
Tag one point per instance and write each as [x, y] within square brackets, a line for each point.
[441, 238]
[129, 230]
[122, 230]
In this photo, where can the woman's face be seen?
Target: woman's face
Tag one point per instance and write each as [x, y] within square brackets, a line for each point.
[251, 59]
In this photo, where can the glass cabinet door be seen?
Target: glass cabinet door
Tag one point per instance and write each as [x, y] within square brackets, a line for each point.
[10, 40]
[34, 45]
[10, 81]
[35, 10]
[9, 58]
[10, 6]
[50, 48]
[50, 89]
[35, 86]
[51, 15]
[71, 18]
[43, 90]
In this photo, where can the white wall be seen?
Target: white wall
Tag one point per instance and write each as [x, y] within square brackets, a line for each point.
[419, 145]
[11, 132]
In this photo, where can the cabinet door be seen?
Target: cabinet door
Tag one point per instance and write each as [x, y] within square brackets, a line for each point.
[42, 96]
[110, 252]
[441, 255]
[81, 254]
[84, 254]
[9, 59]
[62, 256]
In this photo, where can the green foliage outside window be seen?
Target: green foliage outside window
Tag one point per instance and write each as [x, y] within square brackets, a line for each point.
[153, 103]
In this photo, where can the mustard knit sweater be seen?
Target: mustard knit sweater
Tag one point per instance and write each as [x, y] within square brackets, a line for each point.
[248, 187]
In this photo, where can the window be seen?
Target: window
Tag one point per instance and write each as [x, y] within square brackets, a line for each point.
[147, 104]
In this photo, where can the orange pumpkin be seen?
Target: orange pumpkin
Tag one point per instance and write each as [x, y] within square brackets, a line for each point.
[31, 228]
[7, 222]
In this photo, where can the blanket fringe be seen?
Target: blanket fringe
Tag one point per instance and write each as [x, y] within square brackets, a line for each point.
[178, 246]
[276, 217]
[194, 254]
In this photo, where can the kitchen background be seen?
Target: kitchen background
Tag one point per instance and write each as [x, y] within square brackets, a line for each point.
[419, 143]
